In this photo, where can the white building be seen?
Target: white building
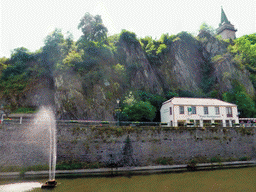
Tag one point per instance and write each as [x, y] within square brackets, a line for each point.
[180, 111]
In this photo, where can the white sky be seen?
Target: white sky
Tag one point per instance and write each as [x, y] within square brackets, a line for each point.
[27, 22]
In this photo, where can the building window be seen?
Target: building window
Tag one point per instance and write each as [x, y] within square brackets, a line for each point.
[217, 110]
[193, 110]
[206, 110]
[229, 112]
[170, 111]
[181, 109]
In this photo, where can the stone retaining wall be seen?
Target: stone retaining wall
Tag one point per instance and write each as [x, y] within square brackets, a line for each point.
[128, 145]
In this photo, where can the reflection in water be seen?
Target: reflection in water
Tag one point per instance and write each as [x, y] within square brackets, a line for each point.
[20, 187]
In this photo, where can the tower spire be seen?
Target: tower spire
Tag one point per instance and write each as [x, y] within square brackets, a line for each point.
[226, 29]
[224, 18]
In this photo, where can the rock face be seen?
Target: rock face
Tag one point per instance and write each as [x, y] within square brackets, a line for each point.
[182, 66]
[224, 68]
[188, 65]
[142, 76]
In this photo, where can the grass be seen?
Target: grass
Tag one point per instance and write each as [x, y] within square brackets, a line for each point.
[24, 169]
[25, 110]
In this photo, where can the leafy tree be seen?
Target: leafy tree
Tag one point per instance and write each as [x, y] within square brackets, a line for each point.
[12, 70]
[92, 28]
[171, 94]
[150, 47]
[51, 53]
[73, 59]
[68, 45]
[239, 96]
[154, 49]
[167, 39]
[3, 64]
[155, 100]
[208, 28]
[128, 37]
[12, 89]
[21, 54]
[18, 64]
[246, 47]
[140, 111]
[185, 36]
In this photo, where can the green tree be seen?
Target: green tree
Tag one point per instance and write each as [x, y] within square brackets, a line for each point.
[51, 53]
[128, 37]
[21, 54]
[140, 111]
[68, 45]
[3, 64]
[151, 48]
[208, 28]
[244, 102]
[12, 89]
[92, 28]
[155, 100]
[73, 60]
[246, 47]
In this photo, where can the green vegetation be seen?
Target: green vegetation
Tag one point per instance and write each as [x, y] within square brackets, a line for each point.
[244, 102]
[140, 111]
[209, 29]
[26, 110]
[78, 165]
[164, 161]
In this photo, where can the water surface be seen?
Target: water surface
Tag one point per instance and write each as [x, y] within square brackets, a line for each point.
[242, 179]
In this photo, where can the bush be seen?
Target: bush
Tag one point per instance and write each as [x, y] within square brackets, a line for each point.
[192, 165]
[244, 158]
[140, 111]
[215, 159]
[164, 161]
[129, 37]
[25, 110]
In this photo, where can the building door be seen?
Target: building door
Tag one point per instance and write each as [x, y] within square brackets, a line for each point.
[206, 123]
[181, 123]
[227, 123]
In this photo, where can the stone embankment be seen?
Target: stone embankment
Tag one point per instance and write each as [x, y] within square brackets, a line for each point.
[123, 171]
[132, 146]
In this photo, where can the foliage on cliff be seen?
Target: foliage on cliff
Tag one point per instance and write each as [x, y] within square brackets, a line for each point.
[105, 68]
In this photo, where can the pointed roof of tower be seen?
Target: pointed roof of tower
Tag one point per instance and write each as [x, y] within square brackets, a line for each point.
[224, 18]
[225, 24]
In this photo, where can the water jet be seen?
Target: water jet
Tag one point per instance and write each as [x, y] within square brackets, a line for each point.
[47, 118]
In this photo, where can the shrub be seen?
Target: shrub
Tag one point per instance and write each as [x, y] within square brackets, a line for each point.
[244, 158]
[128, 37]
[215, 159]
[192, 165]
[164, 161]
[25, 110]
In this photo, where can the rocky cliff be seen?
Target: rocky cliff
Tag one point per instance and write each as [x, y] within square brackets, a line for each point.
[196, 65]
[88, 89]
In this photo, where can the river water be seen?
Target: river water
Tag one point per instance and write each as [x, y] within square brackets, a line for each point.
[240, 179]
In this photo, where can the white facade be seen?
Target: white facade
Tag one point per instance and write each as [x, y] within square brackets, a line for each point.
[180, 111]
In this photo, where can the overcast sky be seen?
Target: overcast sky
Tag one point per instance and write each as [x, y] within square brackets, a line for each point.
[26, 23]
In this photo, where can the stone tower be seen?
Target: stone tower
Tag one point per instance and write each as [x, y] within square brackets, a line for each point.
[226, 29]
